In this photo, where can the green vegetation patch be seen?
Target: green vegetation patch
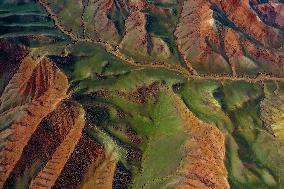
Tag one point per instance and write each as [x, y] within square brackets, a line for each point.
[199, 96]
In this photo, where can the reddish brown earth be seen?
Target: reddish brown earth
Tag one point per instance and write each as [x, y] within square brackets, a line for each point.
[203, 166]
[49, 174]
[270, 12]
[103, 26]
[194, 31]
[45, 140]
[11, 56]
[88, 155]
[135, 24]
[249, 22]
[96, 25]
[279, 11]
[213, 46]
[32, 93]
[205, 160]
[211, 36]
[136, 40]
[236, 44]
[101, 176]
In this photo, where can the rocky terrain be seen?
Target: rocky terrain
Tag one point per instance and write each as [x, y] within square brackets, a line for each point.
[141, 94]
[31, 94]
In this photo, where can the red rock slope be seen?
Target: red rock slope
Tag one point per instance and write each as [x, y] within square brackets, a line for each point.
[32, 93]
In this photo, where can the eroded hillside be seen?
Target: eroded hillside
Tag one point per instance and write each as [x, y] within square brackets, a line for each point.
[141, 94]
